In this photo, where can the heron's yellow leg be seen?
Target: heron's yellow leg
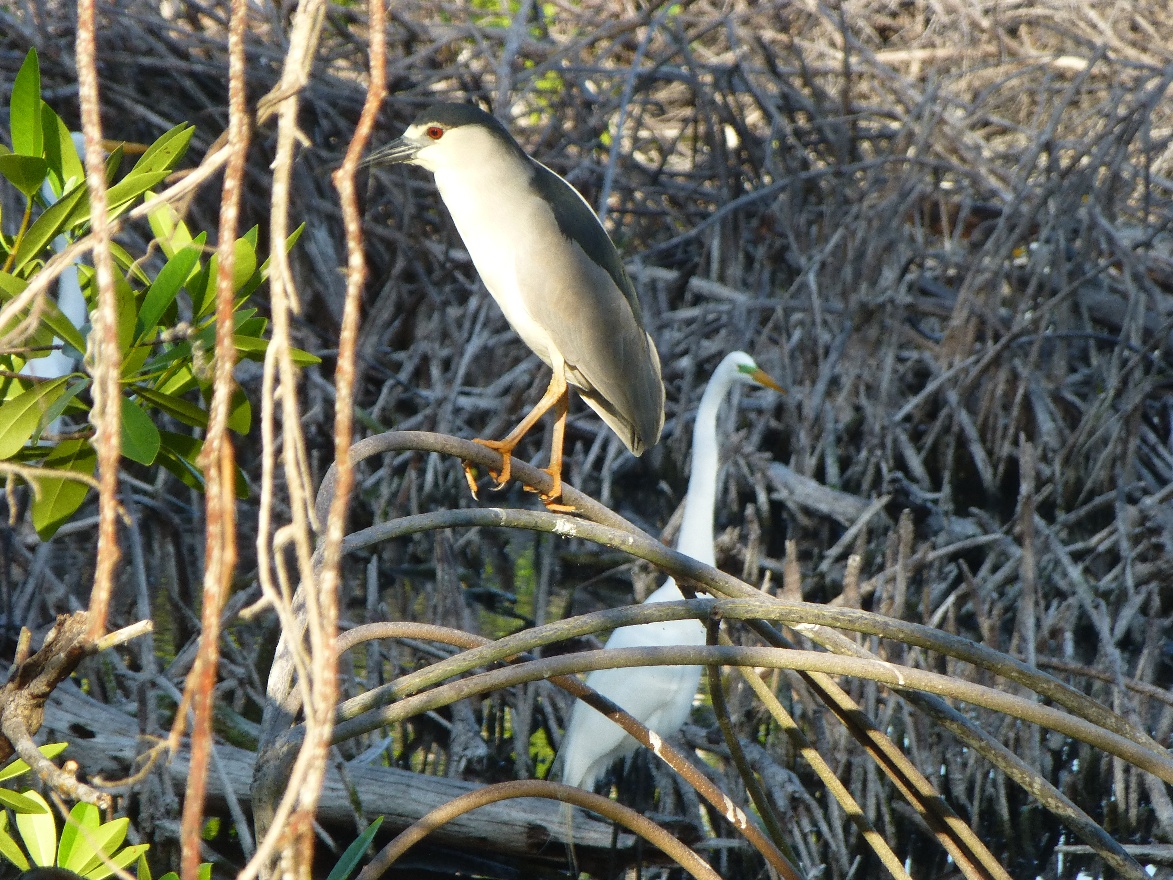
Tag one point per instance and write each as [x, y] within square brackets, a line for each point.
[555, 392]
[550, 499]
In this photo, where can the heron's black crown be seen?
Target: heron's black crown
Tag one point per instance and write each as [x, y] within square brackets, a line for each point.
[449, 116]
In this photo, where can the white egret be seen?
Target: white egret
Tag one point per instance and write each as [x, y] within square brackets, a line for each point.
[70, 299]
[660, 696]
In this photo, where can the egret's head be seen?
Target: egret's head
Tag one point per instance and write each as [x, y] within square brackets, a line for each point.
[744, 369]
[445, 136]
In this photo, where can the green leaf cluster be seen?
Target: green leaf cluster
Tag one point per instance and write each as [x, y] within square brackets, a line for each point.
[18, 802]
[165, 319]
[87, 845]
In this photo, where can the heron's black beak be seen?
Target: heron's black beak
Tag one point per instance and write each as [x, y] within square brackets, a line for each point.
[399, 150]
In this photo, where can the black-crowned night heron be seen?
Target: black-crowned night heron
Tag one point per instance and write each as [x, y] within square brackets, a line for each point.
[660, 696]
[547, 261]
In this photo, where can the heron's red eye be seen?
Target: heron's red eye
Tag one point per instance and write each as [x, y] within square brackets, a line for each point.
[434, 132]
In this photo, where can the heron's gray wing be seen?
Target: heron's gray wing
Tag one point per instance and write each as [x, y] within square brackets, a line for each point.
[574, 285]
[578, 222]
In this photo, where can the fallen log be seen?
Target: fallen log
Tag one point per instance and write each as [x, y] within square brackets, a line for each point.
[522, 833]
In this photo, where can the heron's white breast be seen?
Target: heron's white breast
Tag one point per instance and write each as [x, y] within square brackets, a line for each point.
[495, 218]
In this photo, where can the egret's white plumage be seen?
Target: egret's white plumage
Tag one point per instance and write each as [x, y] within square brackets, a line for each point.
[660, 696]
[70, 299]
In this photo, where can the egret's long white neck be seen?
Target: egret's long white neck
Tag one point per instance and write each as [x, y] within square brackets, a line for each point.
[696, 531]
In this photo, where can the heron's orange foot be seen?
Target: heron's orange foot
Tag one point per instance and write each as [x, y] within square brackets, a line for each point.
[555, 505]
[506, 453]
[470, 478]
[553, 498]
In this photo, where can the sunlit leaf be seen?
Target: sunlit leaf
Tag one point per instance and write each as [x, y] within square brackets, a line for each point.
[243, 268]
[263, 273]
[62, 327]
[182, 380]
[39, 832]
[39, 337]
[303, 358]
[128, 263]
[240, 414]
[166, 287]
[133, 362]
[20, 416]
[26, 173]
[251, 347]
[25, 108]
[79, 213]
[11, 286]
[140, 436]
[170, 231]
[79, 844]
[60, 497]
[120, 860]
[102, 840]
[9, 847]
[18, 802]
[200, 288]
[165, 153]
[127, 311]
[18, 766]
[130, 188]
[250, 326]
[76, 383]
[60, 152]
[184, 410]
[49, 225]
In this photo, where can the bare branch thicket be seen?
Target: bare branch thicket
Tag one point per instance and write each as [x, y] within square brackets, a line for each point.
[945, 228]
